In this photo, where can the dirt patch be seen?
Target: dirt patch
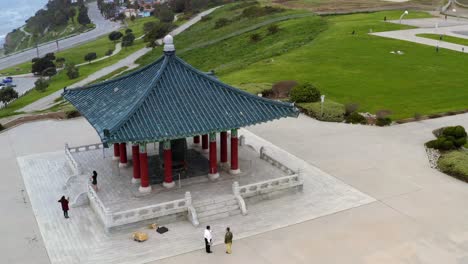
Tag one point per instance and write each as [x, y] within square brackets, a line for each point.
[282, 89]
[25, 119]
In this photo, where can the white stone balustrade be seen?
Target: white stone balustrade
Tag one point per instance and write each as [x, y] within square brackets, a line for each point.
[268, 186]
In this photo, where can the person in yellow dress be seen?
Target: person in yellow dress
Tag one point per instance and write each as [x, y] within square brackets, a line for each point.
[228, 240]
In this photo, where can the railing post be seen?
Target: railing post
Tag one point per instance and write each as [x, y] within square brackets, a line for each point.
[242, 140]
[235, 188]
[262, 152]
[188, 198]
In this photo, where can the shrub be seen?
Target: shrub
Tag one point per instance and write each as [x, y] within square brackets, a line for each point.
[221, 23]
[128, 39]
[268, 93]
[60, 61]
[128, 30]
[454, 163]
[305, 93]
[72, 114]
[1, 127]
[448, 138]
[255, 37]
[109, 52]
[7, 94]
[351, 108]
[355, 118]
[41, 85]
[115, 35]
[206, 18]
[90, 56]
[282, 89]
[273, 29]
[383, 121]
[332, 111]
[72, 71]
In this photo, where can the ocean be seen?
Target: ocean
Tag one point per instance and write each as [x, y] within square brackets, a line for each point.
[15, 12]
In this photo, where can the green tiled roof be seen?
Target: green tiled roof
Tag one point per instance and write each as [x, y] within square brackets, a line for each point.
[170, 99]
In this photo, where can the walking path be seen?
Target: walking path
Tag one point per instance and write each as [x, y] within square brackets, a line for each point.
[118, 48]
[452, 27]
[48, 101]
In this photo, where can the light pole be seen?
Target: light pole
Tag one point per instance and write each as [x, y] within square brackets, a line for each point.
[404, 14]
[322, 100]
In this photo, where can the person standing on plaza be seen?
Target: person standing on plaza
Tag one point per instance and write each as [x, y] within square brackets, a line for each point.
[94, 180]
[64, 203]
[208, 239]
[228, 240]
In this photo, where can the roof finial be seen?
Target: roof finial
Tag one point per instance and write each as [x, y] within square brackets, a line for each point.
[168, 44]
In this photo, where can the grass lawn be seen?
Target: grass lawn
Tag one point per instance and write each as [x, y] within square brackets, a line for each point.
[360, 68]
[445, 38]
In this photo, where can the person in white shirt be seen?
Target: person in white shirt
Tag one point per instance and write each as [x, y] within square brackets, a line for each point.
[208, 239]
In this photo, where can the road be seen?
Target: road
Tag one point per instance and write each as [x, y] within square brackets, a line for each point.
[455, 27]
[103, 27]
[129, 61]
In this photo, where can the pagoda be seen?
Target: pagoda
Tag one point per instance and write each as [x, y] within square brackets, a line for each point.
[168, 101]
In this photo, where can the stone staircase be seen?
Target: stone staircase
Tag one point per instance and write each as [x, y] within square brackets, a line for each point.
[209, 210]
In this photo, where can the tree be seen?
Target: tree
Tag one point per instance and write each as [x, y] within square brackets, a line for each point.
[83, 17]
[72, 71]
[128, 30]
[148, 26]
[128, 39]
[90, 56]
[44, 66]
[121, 16]
[165, 14]
[41, 85]
[132, 18]
[159, 31]
[7, 94]
[72, 14]
[115, 35]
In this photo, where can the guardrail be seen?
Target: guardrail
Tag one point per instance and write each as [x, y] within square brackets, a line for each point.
[274, 162]
[85, 148]
[111, 219]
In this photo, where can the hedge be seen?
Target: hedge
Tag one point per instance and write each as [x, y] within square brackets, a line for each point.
[332, 111]
[454, 163]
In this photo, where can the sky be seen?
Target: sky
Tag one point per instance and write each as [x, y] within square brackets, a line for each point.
[15, 12]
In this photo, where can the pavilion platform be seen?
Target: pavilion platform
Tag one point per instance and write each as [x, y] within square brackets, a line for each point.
[118, 194]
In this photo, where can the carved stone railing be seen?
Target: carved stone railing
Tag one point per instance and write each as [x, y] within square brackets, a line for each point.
[76, 168]
[240, 200]
[268, 186]
[274, 162]
[111, 219]
[85, 148]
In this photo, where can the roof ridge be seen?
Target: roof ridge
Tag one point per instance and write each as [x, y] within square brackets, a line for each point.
[232, 88]
[140, 100]
[116, 79]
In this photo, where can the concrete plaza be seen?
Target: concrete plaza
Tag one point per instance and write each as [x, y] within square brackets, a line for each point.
[419, 216]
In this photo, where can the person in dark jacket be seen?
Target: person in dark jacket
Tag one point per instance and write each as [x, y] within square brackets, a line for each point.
[94, 180]
[228, 240]
[64, 203]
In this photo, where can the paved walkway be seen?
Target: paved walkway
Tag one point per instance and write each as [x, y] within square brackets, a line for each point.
[452, 27]
[48, 101]
[419, 216]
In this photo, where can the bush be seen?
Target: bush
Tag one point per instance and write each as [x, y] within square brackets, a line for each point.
[448, 138]
[206, 18]
[60, 61]
[221, 22]
[128, 30]
[7, 94]
[1, 127]
[128, 39]
[383, 121]
[72, 71]
[332, 111]
[454, 163]
[109, 52]
[90, 56]
[282, 89]
[268, 93]
[41, 85]
[305, 93]
[255, 37]
[115, 35]
[273, 29]
[351, 108]
[72, 114]
[355, 118]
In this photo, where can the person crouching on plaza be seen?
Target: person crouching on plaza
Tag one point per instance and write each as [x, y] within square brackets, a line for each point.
[228, 240]
[64, 203]
[208, 239]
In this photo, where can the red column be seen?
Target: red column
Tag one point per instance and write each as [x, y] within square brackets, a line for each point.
[196, 140]
[224, 151]
[136, 163]
[167, 153]
[205, 143]
[213, 158]
[234, 152]
[123, 155]
[116, 151]
[144, 187]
